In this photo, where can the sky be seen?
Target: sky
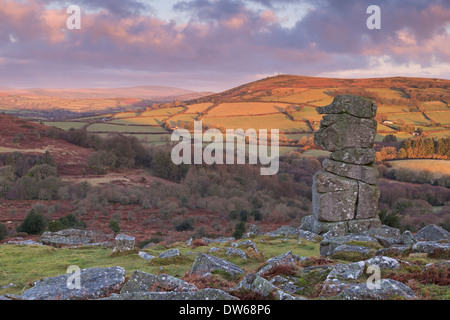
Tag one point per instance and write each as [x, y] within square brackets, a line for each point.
[215, 45]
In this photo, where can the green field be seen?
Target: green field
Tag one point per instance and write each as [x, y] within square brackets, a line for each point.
[440, 117]
[65, 125]
[387, 92]
[246, 108]
[183, 117]
[275, 121]
[389, 109]
[382, 127]
[98, 117]
[316, 97]
[125, 115]
[104, 127]
[411, 118]
[435, 106]
[149, 121]
[198, 108]
[307, 113]
[162, 112]
[437, 167]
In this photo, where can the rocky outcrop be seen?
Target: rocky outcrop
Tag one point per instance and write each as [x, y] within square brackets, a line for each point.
[75, 237]
[283, 277]
[347, 281]
[124, 243]
[286, 259]
[388, 289]
[238, 252]
[351, 105]
[345, 192]
[145, 255]
[344, 131]
[202, 295]
[383, 262]
[432, 233]
[385, 235]
[20, 241]
[255, 283]
[301, 232]
[169, 254]
[94, 283]
[218, 240]
[283, 231]
[432, 248]
[204, 264]
[145, 282]
[245, 244]
[356, 243]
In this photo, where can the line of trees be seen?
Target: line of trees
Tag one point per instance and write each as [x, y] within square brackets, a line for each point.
[419, 148]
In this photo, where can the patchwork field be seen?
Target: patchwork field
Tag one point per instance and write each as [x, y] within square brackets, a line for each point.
[65, 125]
[162, 112]
[103, 127]
[126, 115]
[307, 113]
[198, 108]
[144, 121]
[442, 117]
[287, 103]
[316, 97]
[275, 121]
[387, 93]
[391, 109]
[183, 117]
[435, 106]
[246, 109]
[437, 167]
[412, 118]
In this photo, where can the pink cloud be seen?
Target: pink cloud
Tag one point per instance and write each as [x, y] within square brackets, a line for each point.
[224, 38]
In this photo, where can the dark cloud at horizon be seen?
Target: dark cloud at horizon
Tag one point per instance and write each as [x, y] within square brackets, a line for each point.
[219, 43]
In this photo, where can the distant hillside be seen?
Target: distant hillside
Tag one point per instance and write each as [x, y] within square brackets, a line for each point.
[285, 85]
[288, 102]
[407, 108]
[63, 103]
[141, 92]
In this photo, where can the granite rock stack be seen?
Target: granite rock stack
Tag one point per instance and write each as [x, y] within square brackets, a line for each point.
[345, 192]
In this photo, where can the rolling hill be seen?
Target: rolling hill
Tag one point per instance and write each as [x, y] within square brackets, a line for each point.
[41, 103]
[141, 92]
[287, 103]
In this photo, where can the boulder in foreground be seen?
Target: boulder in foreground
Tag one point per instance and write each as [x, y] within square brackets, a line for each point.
[94, 283]
[388, 289]
[204, 264]
[204, 294]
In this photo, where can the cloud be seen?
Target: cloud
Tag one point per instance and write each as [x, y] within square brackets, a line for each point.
[116, 7]
[232, 40]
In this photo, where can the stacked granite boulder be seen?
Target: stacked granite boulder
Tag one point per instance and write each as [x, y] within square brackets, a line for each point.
[345, 192]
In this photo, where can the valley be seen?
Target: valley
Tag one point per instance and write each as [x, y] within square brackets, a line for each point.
[110, 162]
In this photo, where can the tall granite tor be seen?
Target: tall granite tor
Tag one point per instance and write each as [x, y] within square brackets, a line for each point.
[345, 192]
